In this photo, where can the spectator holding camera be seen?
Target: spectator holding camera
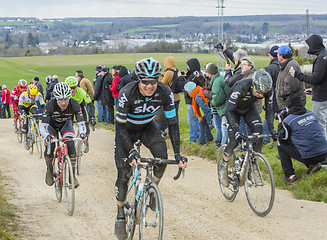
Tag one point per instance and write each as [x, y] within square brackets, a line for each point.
[300, 137]
[318, 79]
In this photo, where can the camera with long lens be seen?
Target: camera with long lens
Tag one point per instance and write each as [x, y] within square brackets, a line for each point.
[219, 46]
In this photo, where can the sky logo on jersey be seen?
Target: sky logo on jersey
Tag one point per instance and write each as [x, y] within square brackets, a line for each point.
[122, 101]
[145, 109]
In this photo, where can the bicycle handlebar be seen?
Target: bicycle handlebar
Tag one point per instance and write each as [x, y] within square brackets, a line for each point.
[156, 161]
[61, 140]
[34, 115]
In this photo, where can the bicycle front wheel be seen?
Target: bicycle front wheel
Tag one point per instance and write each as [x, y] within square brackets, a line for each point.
[231, 190]
[69, 186]
[30, 142]
[57, 177]
[38, 141]
[79, 153]
[152, 215]
[259, 185]
[19, 134]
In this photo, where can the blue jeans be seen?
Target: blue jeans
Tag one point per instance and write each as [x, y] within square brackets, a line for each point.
[266, 131]
[102, 111]
[5, 108]
[205, 132]
[217, 121]
[194, 124]
[224, 130]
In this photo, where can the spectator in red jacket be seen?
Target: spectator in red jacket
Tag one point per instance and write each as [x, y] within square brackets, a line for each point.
[5, 98]
[113, 88]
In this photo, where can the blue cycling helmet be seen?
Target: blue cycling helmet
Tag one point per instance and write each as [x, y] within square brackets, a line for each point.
[148, 68]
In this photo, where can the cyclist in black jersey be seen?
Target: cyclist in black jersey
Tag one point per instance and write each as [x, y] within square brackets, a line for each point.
[241, 103]
[57, 117]
[137, 105]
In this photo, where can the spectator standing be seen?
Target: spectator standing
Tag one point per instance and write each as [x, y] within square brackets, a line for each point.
[102, 110]
[85, 84]
[5, 98]
[286, 84]
[50, 87]
[39, 86]
[113, 88]
[272, 69]
[199, 101]
[1, 102]
[192, 75]
[300, 137]
[107, 98]
[318, 79]
[232, 76]
[219, 91]
[125, 77]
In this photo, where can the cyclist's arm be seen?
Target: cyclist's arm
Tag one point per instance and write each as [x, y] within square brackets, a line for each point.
[88, 101]
[49, 109]
[77, 111]
[21, 104]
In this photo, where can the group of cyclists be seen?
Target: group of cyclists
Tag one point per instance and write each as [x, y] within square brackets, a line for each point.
[137, 105]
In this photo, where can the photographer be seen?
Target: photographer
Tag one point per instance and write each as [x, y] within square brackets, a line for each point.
[300, 137]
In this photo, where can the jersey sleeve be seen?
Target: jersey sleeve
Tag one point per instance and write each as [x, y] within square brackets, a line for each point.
[85, 96]
[123, 107]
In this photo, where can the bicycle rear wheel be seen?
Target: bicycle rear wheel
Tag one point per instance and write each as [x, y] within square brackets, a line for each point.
[151, 219]
[130, 213]
[56, 177]
[231, 190]
[19, 132]
[259, 185]
[69, 186]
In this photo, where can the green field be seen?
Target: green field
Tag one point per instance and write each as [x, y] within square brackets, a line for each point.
[13, 69]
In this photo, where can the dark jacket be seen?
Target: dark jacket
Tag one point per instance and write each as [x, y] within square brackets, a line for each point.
[302, 129]
[273, 70]
[107, 98]
[98, 87]
[125, 77]
[194, 65]
[49, 90]
[318, 79]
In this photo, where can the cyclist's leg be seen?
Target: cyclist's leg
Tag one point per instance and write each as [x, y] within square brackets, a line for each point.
[152, 139]
[67, 131]
[86, 118]
[49, 158]
[254, 122]
[123, 169]
[33, 110]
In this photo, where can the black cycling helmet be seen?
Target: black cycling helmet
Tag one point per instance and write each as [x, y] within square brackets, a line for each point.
[262, 81]
[148, 68]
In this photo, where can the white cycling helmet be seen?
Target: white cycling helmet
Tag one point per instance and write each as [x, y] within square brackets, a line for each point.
[55, 77]
[148, 68]
[48, 79]
[61, 90]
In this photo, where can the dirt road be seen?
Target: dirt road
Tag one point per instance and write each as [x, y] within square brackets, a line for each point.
[194, 206]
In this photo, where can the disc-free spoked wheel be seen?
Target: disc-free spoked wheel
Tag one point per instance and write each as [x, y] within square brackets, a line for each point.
[231, 190]
[259, 185]
[69, 186]
[30, 142]
[19, 133]
[38, 140]
[79, 151]
[151, 220]
[56, 164]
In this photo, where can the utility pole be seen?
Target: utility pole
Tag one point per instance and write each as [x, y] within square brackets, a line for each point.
[220, 7]
[307, 23]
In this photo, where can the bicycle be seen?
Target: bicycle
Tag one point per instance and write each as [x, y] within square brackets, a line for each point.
[33, 134]
[146, 195]
[63, 173]
[80, 148]
[246, 170]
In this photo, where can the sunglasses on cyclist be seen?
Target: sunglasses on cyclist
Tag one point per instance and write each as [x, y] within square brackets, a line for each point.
[147, 82]
[73, 88]
[22, 87]
[63, 100]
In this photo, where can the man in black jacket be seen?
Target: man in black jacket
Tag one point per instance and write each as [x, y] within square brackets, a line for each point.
[273, 70]
[125, 77]
[318, 79]
[102, 111]
[107, 98]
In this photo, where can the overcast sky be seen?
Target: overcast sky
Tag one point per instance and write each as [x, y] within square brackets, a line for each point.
[155, 8]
